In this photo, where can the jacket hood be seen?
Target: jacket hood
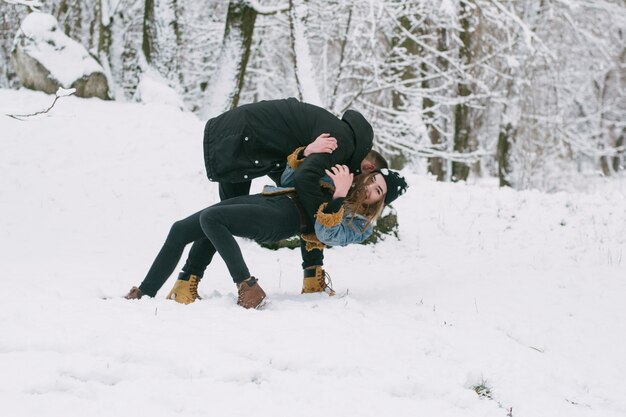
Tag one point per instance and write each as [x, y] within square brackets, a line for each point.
[363, 137]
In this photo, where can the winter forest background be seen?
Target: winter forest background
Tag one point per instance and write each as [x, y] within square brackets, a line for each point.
[485, 301]
[530, 91]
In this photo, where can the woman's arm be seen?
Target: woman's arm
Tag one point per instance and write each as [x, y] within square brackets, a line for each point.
[342, 178]
[324, 143]
[334, 227]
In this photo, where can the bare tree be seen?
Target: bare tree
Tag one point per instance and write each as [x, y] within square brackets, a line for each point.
[462, 127]
[457, 88]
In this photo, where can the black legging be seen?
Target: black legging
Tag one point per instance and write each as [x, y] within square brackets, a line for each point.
[197, 260]
[257, 217]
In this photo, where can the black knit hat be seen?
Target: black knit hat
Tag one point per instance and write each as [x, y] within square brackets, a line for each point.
[396, 184]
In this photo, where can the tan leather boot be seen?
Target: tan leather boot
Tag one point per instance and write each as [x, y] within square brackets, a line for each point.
[250, 293]
[185, 291]
[134, 294]
[317, 280]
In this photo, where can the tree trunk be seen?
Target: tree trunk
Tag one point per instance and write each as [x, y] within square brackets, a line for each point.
[77, 13]
[10, 19]
[70, 18]
[460, 171]
[162, 37]
[149, 31]
[227, 83]
[436, 165]
[399, 100]
[303, 65]
[503, 155]
[618, 161]
[62, 10]
[104, 35]
[342, 57]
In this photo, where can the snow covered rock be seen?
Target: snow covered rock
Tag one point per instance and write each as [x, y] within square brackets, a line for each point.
[46, 59]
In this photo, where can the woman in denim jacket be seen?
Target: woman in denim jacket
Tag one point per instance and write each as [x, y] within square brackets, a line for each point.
[339, 222]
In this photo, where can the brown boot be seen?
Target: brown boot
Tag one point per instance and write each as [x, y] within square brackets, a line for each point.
[185, 291]
[317, 280]
[250, 293]
[134, 294]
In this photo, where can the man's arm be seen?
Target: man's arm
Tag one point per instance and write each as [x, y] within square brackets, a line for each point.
[324, 143]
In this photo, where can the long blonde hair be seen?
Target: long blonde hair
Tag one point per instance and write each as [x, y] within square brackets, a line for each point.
[354, 201]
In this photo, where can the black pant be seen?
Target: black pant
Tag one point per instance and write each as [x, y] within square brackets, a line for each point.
[195, 260]
[257, 217]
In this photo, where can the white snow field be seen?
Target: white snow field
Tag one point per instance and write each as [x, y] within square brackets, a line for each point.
[522, 293]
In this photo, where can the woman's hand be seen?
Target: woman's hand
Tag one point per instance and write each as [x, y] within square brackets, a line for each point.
[324, 143]
[342, 177]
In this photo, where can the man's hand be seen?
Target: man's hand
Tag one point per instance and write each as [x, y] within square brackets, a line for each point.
[324, 143]
[342, 177]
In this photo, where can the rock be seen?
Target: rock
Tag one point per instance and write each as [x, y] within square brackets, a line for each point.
[291, 243]
[387, 225]
[46, 59]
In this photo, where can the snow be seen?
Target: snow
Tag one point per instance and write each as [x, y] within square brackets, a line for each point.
[520, 291]
[154, 89]
[66, 59]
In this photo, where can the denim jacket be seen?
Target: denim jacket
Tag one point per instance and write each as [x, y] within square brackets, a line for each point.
[350, 229]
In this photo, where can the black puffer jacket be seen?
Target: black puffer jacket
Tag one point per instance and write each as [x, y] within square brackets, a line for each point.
[255, 139]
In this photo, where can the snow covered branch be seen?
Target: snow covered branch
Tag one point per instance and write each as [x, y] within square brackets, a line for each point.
[33, 5]
[267, 10]
[478, 82]
[528, 32]
[61, 92]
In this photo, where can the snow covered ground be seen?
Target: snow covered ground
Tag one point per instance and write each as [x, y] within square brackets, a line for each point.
[519, 292]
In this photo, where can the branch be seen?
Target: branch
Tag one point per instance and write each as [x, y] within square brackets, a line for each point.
[61, 92]
[432, 152]
[458, 68]
[612, 9]
[31, 4]
[529, 34]
[266, 10]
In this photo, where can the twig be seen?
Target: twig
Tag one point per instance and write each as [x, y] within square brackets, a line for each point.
[31, 4]
[267, 10]
[61, 92]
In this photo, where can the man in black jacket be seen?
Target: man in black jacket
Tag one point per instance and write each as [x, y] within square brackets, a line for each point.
[254, 140]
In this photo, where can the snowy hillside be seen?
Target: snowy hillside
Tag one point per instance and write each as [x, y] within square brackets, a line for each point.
[517, 295]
